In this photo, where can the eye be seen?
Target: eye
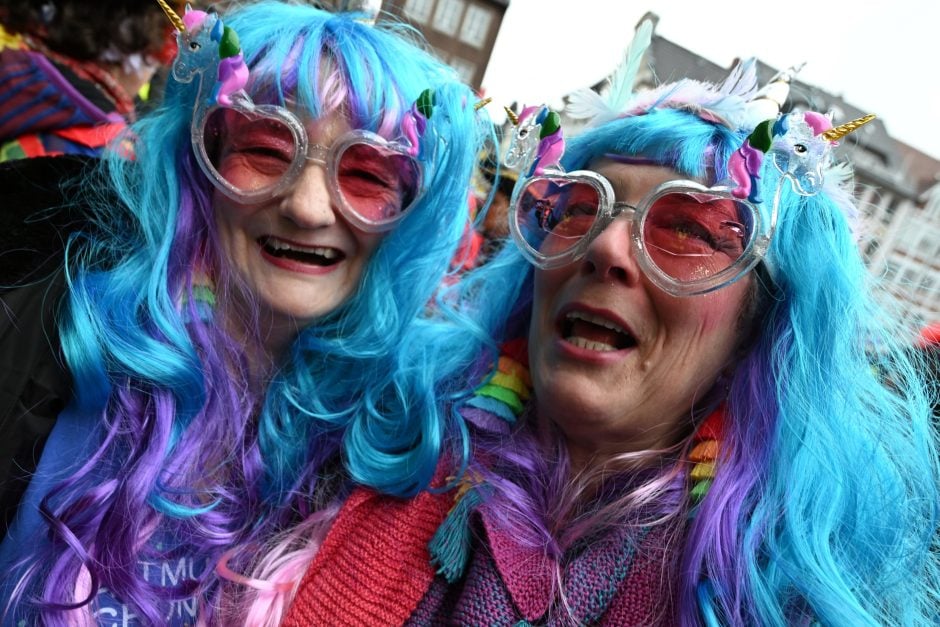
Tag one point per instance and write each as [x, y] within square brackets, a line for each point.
[367, 176]
[523, 133]
[799, 148]
[194, 45]
[264, 152]
[688, 230]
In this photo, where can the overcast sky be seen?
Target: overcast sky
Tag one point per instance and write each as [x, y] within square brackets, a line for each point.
[885, 60]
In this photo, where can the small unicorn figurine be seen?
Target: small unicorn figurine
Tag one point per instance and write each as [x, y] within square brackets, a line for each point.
[207, 45]
[537, 143]
[800, 146]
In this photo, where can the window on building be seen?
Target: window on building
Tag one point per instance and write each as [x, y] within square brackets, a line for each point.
[891, 272]
[466, 69]
[447, 16]
[910, 278]
[924, 247]
[926, 283]
[439, 54]
[476, 25]
[419, 11]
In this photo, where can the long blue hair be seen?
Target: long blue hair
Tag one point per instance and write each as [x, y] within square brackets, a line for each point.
[824, 506]
[189, 444]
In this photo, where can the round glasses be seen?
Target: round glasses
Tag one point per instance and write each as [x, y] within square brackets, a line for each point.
[254, 156]
[687, 238]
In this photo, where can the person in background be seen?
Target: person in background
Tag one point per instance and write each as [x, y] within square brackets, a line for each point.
[682, 425]
[489, 203]
[495, 225]
[71, 69]
[240, 332]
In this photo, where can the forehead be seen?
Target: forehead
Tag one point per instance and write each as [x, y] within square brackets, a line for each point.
[327, 128]
[631, 181]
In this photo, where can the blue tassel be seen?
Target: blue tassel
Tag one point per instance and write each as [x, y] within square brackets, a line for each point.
[450, 546]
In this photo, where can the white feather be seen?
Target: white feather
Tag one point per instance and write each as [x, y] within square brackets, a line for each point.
[621, 82]
[742, 81]
[704, 99]
[586, 104]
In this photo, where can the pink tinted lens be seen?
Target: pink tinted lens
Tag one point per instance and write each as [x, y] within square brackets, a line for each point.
[692, 236]
[250, 154]
[554, 213]
[376, 182]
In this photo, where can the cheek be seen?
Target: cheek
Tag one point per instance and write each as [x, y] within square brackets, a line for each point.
[717, 325]
[223, 221]
[367, 243]
[230, 219]
[224, 210]
[708, 322]
[713, 317]
[547, 283]
[543, 290]
[720, 312]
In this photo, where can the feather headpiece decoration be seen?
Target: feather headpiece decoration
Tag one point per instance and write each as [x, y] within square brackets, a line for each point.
[726, 103]
[588, 104]
[723, 103]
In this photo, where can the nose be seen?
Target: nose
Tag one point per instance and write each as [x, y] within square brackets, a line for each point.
[610, 256]
[308, 203]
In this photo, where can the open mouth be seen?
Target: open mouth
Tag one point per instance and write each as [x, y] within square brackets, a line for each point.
[310, 255]
[592, 332]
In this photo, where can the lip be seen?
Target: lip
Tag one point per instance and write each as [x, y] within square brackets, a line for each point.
[583, 354]
[292, 265]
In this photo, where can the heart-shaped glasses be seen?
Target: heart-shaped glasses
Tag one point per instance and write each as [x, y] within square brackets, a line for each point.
[688, 239]
[253, 155]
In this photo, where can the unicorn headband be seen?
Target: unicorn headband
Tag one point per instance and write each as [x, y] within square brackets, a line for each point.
[206, 44]
[210, 52]
[800, 144]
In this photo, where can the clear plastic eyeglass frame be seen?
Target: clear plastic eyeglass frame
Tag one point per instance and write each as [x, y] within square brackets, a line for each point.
[609, 210]
[327, 157]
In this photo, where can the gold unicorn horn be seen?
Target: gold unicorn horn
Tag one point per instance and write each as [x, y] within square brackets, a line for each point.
[170, 13]
[842, 130]
[512, 116]
[482, 104]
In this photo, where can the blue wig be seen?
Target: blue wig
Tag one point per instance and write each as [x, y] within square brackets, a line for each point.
[191, 443]
[824, 506]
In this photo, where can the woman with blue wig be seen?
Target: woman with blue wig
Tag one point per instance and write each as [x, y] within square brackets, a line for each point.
[686, 421]
[245, 325]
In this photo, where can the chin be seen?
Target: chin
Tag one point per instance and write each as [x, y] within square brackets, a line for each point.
[574, 410]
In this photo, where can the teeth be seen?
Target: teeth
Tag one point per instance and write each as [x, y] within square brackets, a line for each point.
[327, 253]
[603, 322]
[580, 342]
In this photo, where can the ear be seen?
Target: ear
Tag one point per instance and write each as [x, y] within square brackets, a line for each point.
[217, 30]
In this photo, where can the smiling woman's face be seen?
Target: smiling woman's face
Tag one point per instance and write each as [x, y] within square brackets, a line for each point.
[616, 362]
[295, 252]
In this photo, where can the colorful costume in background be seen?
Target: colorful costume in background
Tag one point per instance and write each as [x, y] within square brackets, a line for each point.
[53, 105]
